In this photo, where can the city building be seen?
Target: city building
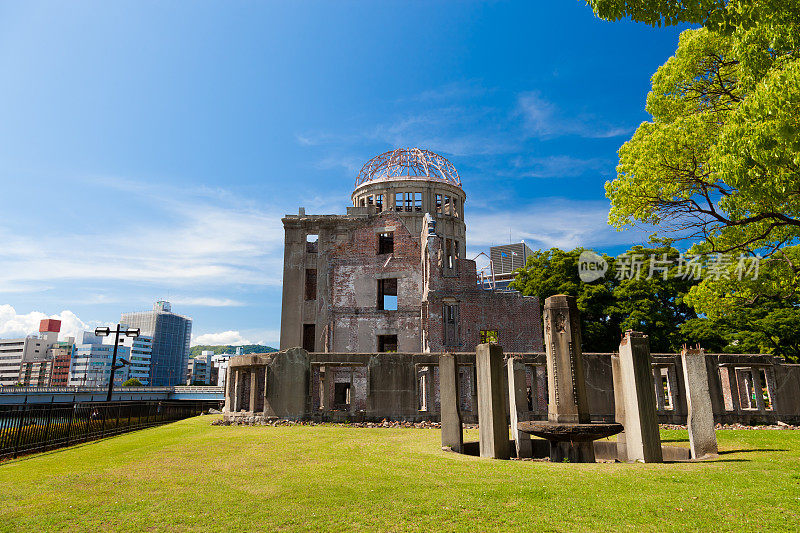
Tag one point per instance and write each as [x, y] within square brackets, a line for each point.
[141, 351]
[201, 369]
[61, 361]
[29, 360]
[91, 362]
[170, 334]
[390, 275]
[503, 262]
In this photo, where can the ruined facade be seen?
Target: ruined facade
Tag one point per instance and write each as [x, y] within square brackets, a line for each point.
[391, 275]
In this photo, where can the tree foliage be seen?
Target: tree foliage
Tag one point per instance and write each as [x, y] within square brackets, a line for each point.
[719, 163]
[229, 349]
[651, 304]
[132, 382]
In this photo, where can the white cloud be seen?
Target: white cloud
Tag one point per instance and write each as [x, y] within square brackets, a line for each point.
[543, 119]
[224, 337]
[547, 223]
[200, 237]
[557, 166]
[16, 325]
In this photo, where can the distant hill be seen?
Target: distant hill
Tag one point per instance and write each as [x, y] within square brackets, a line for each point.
[227, 348]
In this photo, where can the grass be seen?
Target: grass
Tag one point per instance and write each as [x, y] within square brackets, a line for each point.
[191, 476]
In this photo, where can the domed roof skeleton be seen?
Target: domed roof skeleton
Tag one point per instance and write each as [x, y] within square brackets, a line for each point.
[408, 162]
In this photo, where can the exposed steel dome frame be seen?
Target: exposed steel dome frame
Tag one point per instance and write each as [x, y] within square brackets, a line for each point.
[408, 162]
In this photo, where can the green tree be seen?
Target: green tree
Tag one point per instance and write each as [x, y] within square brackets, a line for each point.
[648, 297]
[132, 382]
[719, 163]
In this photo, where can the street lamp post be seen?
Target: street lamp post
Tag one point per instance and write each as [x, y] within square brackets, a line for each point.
[106, 331]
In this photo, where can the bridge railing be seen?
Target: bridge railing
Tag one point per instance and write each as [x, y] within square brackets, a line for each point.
[28, 428]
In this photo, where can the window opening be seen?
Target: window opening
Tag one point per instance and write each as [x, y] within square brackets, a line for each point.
[447, 205]
[489, 336]
[409, 201]
[387, 294]
[398, 201]
[341, 395]
[387, 343]
[455, 207]
[417, 201]
[361, 202]
[379, 202]
[438, 203]
[308, 337]
[667, 392]
[386, 243]
[764, 389]
[311, 243]
[369, 200]
[451, 324]
[311, 284]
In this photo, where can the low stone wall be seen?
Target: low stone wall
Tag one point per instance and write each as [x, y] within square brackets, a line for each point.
[294, 384]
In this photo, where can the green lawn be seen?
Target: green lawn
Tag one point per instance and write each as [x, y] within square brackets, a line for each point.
[191, 476]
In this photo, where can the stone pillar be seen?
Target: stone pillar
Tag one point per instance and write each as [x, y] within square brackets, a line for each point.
[518, 405]
[658, 388]
[700, 421]
[452, 435]
[565, 376]
[619, 407]
[565, 379]
[327, 386]
[492, 413]
[641, 419]
[237, 391]
[228, 392]
[253, 388]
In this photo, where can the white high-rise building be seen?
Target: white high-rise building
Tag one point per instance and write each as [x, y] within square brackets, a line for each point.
[91, 364]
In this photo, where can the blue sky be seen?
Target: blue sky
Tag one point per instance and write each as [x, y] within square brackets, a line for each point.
[149, 149]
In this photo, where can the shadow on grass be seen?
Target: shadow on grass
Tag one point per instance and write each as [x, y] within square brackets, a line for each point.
[725, 452]
[675, 440]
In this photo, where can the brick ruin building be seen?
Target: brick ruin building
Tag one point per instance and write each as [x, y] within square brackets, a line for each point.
[371, 298]
[391, 275]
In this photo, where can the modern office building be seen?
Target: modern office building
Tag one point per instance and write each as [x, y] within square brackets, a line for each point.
[505, 260]
[141, 351]
[61, 362]
[91, 362]
[171, 334]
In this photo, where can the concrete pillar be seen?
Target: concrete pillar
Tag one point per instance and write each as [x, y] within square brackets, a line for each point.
[641, 419]
[619, 407]
[492, 413]
[658, 388]
[237, 391]
[565, 375]
[452, 435]
[700, 420]
[327, 387]
[253, 388]
[565, 378]
[518, 405]
[228, 392]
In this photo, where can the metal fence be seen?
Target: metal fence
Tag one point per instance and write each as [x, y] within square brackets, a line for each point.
[27, 428]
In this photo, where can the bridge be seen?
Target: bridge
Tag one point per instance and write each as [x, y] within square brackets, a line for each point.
[31, 395]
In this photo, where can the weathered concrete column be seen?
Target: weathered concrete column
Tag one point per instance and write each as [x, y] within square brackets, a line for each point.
[253, 389]
[327, 386]
[492, 413]
[237, 391]
[565, 379]
[641, 419]
[659, 390]
[565, 376]
[700, 421]
[452, 434]
[619, 407]
[228, 392]
[518, 405]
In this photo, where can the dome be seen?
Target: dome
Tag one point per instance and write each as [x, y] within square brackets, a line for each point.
[408, 162]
